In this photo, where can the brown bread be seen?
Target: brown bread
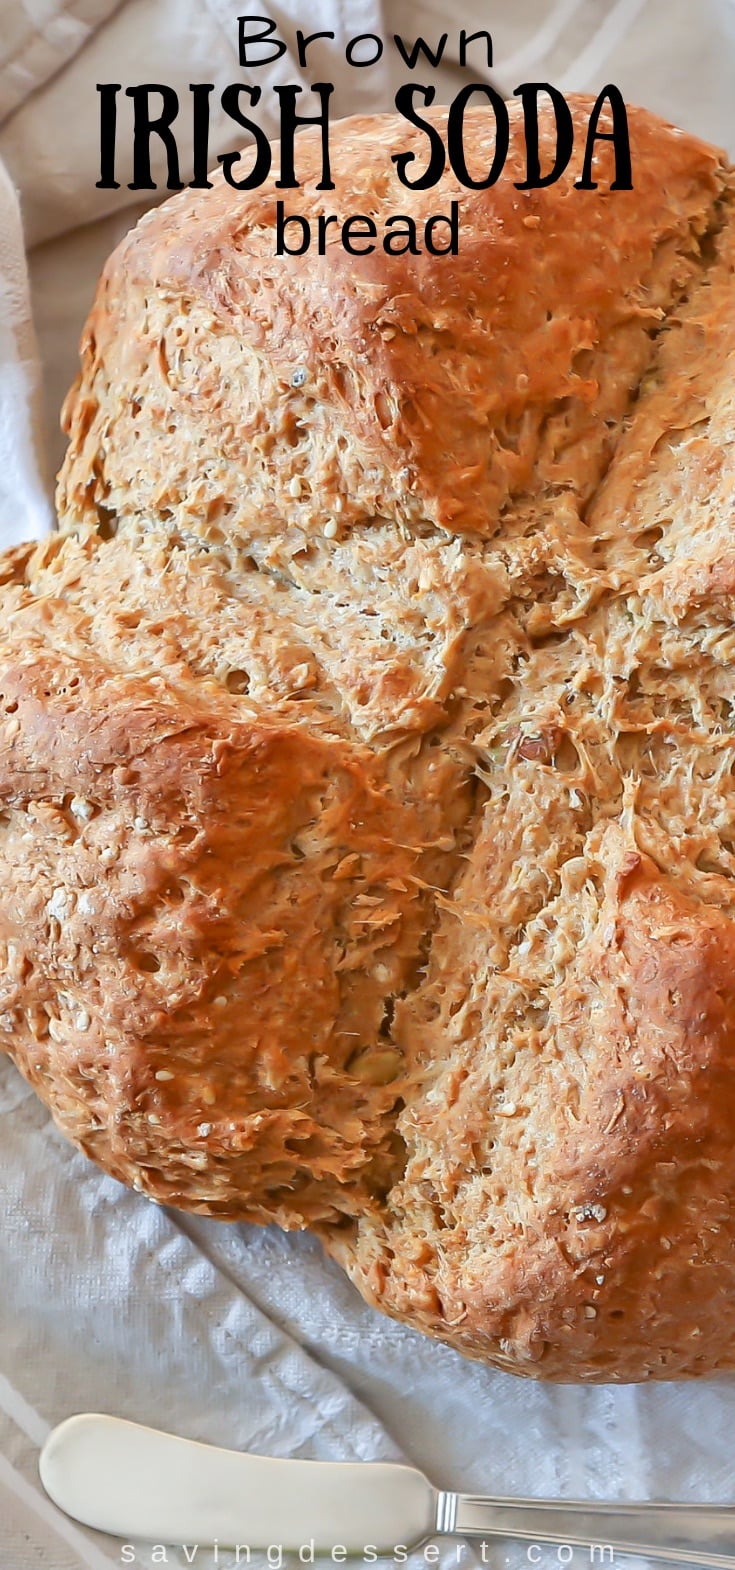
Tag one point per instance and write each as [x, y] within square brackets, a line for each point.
[368, 840]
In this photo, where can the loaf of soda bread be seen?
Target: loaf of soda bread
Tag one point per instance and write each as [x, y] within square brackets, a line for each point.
[367, 858]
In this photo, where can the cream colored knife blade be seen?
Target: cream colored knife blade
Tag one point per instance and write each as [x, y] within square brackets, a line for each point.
[136, 1482]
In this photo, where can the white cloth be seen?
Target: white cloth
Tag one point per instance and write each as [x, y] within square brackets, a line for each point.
[232, 1334]
[24, 508]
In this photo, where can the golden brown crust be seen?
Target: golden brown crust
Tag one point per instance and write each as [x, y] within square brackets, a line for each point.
[518, 350]
[368, 848]
[213, 905]
[599, 1243]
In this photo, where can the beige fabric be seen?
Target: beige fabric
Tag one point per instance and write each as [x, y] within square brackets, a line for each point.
[178, 42]
[25, 512]
[38, 37]
[668, 55]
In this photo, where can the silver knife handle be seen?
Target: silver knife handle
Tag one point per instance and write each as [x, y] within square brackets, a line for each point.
[681, 1534]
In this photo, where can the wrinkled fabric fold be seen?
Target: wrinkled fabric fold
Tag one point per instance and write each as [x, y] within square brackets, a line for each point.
[25, 511]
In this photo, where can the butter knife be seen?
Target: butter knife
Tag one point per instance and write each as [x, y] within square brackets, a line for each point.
[137, 1482]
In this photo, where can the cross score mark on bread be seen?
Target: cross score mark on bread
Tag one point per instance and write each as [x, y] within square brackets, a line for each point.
[368, 837]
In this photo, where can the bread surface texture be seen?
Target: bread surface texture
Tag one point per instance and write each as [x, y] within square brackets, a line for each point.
[367, 852]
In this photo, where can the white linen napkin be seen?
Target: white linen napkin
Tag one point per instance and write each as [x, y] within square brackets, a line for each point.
[25, 511]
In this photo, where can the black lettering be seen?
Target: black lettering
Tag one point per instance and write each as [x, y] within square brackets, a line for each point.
[465, 39]
[619, 136]
[282, 247]
[245, 40]
[358, 227]
[452, 248]
[435, 167]
[410, 55]
[528, 93]
[325, 219]
[302, 44]
[144, 127]
[262, 164]
[455, 135]
[201, 92]
[108, 92]
[371, 38]
[289, 122]
[406, 233]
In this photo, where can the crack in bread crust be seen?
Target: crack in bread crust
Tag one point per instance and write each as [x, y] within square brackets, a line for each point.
[564, 1191]
[379, 838]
